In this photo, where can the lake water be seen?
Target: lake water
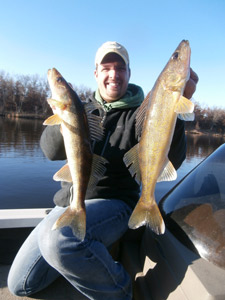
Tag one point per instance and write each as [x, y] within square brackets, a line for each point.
[26, 175]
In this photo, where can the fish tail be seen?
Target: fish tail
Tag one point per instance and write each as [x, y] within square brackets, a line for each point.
[148, 215]
[76, 219]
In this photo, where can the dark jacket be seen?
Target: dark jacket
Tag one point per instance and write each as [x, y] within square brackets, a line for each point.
[120, 136]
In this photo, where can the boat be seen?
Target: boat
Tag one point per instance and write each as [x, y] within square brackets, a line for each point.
[185, 263]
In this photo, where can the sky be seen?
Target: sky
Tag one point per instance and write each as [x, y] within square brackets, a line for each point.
[36, 35]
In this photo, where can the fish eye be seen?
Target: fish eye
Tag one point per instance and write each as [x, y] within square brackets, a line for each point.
[59, 79]
[175, 55]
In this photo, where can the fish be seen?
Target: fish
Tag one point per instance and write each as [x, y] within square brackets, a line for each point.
[83, 168]
[148, 160]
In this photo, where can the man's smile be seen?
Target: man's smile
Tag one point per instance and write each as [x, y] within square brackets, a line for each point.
[113, 84]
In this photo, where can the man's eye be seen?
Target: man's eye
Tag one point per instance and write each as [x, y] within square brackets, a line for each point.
[121, 69]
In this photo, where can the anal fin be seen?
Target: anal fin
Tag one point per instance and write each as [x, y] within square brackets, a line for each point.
[168, 174]
[53, 120]
[63, 174]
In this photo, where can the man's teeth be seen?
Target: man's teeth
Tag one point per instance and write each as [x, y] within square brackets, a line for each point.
[114, 84]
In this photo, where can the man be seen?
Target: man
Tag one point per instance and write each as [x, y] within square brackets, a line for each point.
[87, 265]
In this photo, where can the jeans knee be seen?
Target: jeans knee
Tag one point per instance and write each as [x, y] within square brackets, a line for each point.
[14, 286]
[59, 247]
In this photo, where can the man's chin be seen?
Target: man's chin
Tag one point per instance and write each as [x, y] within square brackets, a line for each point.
[112, 97]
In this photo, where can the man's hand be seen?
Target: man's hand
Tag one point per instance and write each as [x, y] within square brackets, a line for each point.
[191, 84]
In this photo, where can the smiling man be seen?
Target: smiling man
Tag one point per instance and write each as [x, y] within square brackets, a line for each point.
[87, 264]
[112, 71]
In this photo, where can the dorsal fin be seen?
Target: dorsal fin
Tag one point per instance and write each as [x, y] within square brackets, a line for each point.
[94, 121]
[132, 163]
[141, 115]
[97, 171]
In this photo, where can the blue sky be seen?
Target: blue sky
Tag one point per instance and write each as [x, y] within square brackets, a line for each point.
[36, 35]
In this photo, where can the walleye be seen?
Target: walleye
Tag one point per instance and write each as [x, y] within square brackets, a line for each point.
[83, 168]
[148, 160]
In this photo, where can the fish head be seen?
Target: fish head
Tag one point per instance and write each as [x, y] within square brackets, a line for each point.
[60, 89]
[177, 71]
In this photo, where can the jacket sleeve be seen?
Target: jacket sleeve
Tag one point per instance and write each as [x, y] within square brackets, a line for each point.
[52, 143]
[177, 153]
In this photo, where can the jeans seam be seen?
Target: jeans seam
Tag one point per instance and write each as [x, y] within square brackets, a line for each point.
[99, 258]
[120, 213]
[28, 274]
[105, 266]
[94, 226]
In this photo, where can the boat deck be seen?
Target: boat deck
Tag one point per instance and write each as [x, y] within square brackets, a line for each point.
[58, 290]
[16, 225]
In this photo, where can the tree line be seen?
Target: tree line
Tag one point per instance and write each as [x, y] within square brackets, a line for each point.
[207, 119]
[25, 95]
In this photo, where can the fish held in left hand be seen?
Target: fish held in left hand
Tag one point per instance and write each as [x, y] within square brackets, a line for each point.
[78, 127]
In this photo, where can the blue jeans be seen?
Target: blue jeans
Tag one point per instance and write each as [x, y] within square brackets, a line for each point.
[87, 265]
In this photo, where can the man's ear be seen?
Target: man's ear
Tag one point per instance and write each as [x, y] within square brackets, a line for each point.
[96, 73]
[129, 73]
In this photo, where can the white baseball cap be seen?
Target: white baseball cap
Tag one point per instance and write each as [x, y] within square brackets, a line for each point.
[111, 47]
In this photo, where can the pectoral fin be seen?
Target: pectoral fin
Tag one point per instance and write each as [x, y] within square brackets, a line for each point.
[186, 117]
[184, 105]
[56, 103]
[184, 109]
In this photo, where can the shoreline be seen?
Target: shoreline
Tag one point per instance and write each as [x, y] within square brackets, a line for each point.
[12, 115]
[33, 116]
[204, 132]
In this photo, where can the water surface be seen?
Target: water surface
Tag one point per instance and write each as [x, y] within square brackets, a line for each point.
[26, 174]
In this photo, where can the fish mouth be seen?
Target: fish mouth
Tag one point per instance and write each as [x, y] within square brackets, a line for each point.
[50, 72]
[53, 73]
[185, 42]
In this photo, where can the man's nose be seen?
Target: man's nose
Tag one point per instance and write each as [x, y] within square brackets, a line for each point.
[113, 73]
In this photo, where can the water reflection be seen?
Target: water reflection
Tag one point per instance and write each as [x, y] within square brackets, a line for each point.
[20, 137]
[201, 145]
[26, 175]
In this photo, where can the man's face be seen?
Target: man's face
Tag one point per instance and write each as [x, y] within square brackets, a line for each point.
[112, 76]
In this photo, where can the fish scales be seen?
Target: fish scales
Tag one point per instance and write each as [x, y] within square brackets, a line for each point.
[151, 163]
[70, 113]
